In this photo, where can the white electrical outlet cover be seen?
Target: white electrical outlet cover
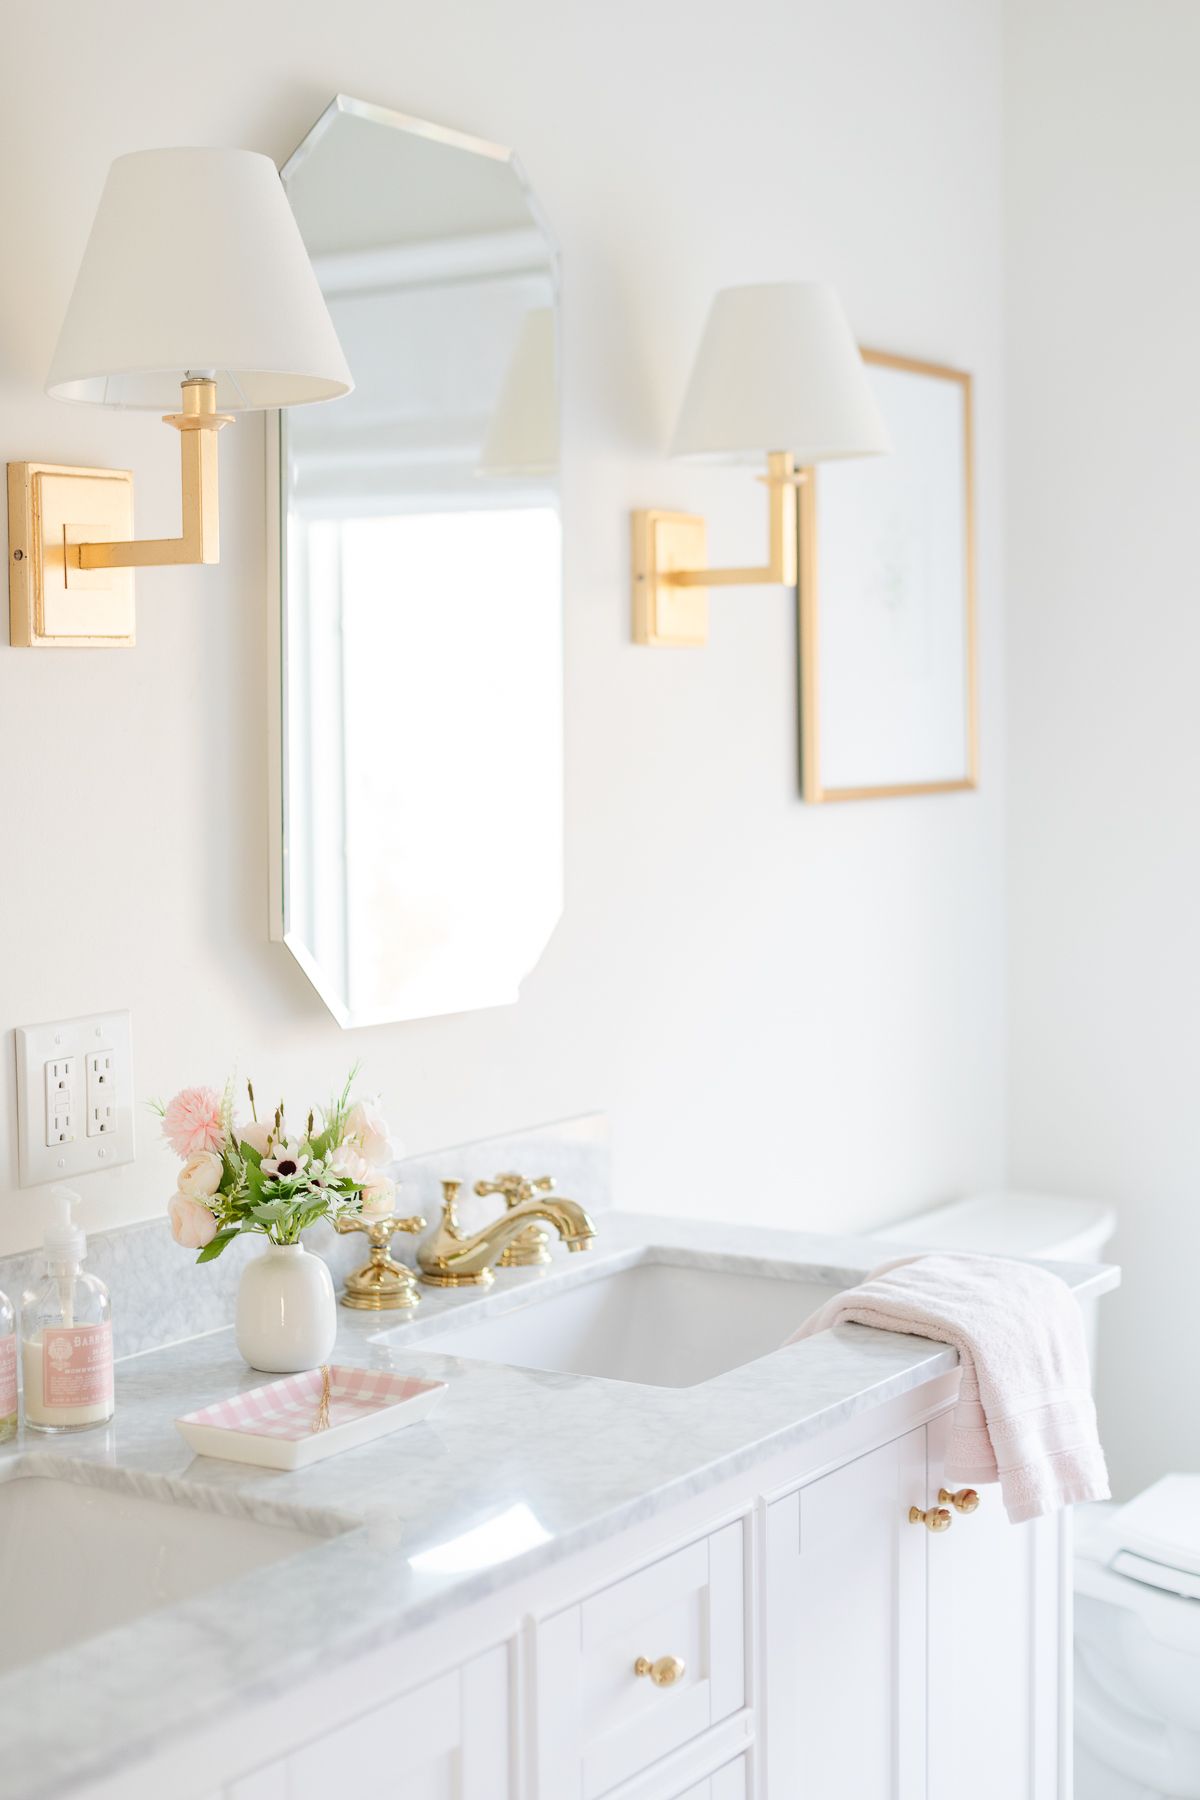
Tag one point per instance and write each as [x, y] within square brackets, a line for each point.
[43, 1053]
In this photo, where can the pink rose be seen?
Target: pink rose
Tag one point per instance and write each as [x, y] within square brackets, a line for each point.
[367, 1130]
[378, 1197]
[192, 1225]
[254, 1134]
[201, 1175]
[347, 1165]
[192, 1121]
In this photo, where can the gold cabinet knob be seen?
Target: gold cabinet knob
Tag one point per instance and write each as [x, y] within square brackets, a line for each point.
[966, 1500]
[667, 1670]
[936, 1519]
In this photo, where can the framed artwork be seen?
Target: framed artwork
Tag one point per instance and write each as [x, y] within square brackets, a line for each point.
[887, 600]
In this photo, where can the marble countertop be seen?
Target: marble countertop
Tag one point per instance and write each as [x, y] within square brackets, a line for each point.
[517, 1469]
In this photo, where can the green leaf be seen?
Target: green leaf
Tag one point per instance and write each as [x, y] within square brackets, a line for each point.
[250, 1154]
[215, 1246]
[270, 1211]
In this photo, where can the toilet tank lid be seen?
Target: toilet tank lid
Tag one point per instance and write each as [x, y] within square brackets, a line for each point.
[1162, 1525]
[1013, 1224]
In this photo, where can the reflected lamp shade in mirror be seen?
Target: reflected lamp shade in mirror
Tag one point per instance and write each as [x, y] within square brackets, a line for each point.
[522, 437]
[778, 370]
[195, 266]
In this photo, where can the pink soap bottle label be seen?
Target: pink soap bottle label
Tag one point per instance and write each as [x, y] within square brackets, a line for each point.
[8, 1376]
[77, 1365]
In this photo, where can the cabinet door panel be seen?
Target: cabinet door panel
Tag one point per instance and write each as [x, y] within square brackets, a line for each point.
[845, 1622]
[485, 1739]
[730, 1783]
[411, 1745]
[447, 1740]
[993, 1650]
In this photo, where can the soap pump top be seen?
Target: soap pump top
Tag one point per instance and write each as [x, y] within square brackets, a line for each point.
[64, 1239]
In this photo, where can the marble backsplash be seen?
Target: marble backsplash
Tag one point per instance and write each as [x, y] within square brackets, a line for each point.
[160, 1296]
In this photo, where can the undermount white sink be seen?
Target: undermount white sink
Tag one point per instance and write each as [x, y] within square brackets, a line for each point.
[661, 1324]
[78, 1560]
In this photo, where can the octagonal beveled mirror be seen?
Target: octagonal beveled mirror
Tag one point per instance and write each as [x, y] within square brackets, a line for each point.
[417, 643]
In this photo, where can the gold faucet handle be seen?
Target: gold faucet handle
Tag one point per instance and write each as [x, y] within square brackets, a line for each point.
[515, 1188]
[450, 1193]
[381, 1283]
[379, 1230]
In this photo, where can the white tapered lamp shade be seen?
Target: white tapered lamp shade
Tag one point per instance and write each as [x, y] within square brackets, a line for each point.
[778, 369]
[195, 266]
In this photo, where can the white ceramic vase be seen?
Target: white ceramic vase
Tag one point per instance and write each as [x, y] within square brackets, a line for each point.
[286, 1316]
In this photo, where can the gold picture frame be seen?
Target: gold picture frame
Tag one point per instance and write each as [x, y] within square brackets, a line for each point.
[815, 786]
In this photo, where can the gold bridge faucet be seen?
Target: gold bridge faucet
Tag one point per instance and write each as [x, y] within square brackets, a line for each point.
[450, 1258]
[531, 1247]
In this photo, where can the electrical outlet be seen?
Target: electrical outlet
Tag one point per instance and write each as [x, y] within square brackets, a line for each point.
[74, 1097]
[101, 1066]
[61, 1101]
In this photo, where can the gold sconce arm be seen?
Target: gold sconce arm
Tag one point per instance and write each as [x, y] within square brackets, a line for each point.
[197, 425]
[781, 481]
[670, 553]
[72, 551]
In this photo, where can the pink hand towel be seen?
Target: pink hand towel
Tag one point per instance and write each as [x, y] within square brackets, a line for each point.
[1024, 1414]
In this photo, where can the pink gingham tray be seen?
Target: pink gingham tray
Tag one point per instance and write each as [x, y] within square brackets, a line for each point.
[274, 1425]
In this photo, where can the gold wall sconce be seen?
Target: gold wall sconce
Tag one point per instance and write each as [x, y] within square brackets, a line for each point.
[777, 365]
[195, 293]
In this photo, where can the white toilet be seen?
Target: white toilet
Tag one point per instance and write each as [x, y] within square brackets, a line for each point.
[1137, 1646]
[1137, 1567]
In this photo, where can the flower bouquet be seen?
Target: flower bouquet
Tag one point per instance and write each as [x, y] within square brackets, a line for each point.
[263, 1177]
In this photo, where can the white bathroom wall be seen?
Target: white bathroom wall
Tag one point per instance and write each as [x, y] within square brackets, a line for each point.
[793, 1015]
[1103, 292]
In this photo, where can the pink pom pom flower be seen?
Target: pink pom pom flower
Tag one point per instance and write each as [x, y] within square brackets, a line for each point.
[192, 1122]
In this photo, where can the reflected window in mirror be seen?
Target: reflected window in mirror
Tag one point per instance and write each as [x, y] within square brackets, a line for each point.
[421, 594]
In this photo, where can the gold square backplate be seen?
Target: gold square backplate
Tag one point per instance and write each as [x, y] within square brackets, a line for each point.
[51, 605]
[666, 614]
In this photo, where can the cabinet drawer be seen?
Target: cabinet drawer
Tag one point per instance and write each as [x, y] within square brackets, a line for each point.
[598, 1721]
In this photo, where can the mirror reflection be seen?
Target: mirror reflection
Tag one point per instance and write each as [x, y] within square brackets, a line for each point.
[422, 592]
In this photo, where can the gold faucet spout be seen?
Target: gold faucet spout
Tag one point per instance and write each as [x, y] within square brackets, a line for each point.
[449, 1258]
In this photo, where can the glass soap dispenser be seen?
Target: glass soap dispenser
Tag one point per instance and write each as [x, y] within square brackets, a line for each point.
[66, 1333]
[8, 1370]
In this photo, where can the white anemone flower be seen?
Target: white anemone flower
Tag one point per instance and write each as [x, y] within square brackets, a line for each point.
[286, 1164]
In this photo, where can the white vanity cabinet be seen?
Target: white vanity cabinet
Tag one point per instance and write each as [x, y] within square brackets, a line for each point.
[903, 1664]
[812, 1643]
